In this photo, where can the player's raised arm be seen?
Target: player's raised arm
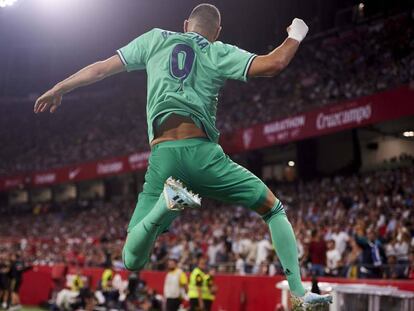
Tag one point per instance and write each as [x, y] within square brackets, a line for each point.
[271, 64]
[88, 75]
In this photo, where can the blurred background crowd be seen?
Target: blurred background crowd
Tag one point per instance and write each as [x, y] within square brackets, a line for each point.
[354, 226]
[342, 65]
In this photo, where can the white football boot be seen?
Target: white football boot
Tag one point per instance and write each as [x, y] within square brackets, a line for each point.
[310, 302]
[178, 197]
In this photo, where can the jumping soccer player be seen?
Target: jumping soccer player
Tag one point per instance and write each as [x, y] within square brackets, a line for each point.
[185, 73]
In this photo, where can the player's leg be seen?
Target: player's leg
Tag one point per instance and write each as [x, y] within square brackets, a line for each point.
[141, 233]
[284, 241]
[218, 177]
[225, 180]
[158, 205]
[174, 198]
[141, 237]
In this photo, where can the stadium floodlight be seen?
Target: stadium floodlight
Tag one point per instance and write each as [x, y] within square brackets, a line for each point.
[4, 3]
[291, 163]
[408, 134]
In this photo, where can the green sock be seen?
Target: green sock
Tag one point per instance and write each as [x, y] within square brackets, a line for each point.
[284, 243]
[142, 236]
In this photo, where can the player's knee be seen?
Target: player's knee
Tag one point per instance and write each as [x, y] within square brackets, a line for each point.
[276, 210]
[131, 261]
[267, 205]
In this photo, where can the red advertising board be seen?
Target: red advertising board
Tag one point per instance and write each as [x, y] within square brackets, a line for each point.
[333, 118]
[83, 171]
[367, 110]
[235, 292]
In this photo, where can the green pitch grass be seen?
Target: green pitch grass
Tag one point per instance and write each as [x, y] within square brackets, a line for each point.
[32, 309]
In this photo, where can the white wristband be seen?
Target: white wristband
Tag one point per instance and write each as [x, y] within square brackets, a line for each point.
[297, 30]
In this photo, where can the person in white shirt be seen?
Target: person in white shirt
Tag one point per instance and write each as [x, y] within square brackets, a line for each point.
[333, 258]
[402, 247]
[264, 247]
[402, 252]
[214, 247]
[240, 265]
[245, 244]
[175, 285]
[340, 238]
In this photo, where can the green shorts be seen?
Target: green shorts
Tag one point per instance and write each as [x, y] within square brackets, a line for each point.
[204, 168]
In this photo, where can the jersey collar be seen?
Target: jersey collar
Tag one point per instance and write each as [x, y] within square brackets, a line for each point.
[196, 33]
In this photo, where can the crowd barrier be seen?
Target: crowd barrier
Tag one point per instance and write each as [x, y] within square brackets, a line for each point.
[245, 293]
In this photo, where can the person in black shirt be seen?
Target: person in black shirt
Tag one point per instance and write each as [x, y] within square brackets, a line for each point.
[4, 278]
[17, 268]
[373, 255]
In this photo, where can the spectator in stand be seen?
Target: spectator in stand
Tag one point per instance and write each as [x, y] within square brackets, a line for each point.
[264, 248]
[4, 279]
[410, 272]
[340, 238]
[317, 253]
[373, 255]
[391, 269]
[333, 259]
[240, 265]
[352, 260]
[213, 250]
[402, 250]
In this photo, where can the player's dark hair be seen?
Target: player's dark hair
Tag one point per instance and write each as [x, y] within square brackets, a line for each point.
[206, 18]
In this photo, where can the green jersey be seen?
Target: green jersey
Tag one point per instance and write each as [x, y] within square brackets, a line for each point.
[185, 73]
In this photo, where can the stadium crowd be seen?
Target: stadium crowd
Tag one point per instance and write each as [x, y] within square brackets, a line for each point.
[372, 57]
[354, 226]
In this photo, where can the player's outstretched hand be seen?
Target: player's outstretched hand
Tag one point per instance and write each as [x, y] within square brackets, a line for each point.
[297, 30]
[49, 100]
